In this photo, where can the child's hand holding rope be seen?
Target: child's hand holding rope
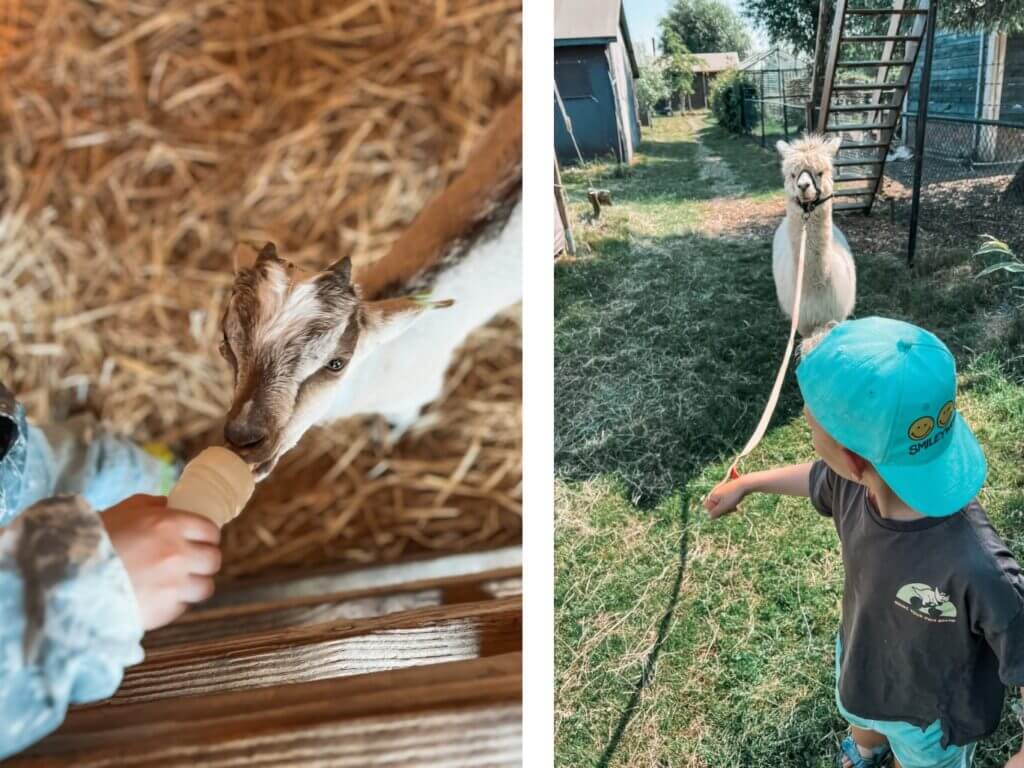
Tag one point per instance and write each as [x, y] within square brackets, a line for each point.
[725, 497]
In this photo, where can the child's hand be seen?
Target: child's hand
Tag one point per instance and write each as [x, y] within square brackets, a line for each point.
[1017, 761]
[170, 555]
[725, 497]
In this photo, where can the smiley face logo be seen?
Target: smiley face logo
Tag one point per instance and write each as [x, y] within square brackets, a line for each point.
[946, 414]
[921, 427]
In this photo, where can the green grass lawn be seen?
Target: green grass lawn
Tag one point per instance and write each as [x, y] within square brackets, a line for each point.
[666, 341]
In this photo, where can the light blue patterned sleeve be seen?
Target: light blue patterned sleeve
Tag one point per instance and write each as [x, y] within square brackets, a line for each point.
[70, 620]
[13, 455]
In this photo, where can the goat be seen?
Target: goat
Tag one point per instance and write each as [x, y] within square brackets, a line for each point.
[312, 347]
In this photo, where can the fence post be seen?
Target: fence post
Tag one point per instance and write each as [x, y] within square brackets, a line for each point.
[738, 86]
[785, 119]
[922, 123]
[761, 102]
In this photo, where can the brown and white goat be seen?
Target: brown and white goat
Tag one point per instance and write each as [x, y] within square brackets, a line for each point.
[313, 347]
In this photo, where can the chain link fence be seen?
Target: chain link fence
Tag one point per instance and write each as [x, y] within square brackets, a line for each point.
[974, 139]
[774, 89]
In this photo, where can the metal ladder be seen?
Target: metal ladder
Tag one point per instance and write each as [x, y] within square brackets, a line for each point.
[863, 104]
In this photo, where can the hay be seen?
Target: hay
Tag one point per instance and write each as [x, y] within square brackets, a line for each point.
[139, 141]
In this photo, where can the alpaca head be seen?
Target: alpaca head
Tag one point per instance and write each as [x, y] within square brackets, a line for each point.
[290, 338]
[807, 167]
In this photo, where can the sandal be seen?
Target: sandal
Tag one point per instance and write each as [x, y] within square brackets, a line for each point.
[848, 749]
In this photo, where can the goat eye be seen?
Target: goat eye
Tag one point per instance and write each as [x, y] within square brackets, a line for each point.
[335, 365]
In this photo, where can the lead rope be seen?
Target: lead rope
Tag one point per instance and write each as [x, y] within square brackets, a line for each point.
[773, 400]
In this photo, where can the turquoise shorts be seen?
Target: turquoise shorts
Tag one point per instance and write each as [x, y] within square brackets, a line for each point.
[913, 746]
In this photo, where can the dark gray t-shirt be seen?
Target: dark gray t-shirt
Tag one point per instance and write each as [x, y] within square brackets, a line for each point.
[933, 614]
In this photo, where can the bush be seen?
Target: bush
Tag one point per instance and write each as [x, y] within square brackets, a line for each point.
[726, 98]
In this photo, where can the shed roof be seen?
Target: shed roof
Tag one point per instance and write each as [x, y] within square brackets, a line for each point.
[581, 22]
[716, 62]
[596, 20]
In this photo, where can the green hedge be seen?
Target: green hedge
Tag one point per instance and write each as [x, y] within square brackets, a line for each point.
[726, 96]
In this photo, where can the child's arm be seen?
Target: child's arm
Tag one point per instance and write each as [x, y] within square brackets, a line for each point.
[794, 480]
[77, 589]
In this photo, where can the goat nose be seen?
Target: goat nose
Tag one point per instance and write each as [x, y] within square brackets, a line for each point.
[244, 435]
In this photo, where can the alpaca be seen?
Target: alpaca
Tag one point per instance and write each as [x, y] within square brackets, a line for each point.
[312, 347]
[830, 278]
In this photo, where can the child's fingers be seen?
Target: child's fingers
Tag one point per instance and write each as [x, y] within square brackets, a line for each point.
[196, 589]
[204, 559]
[196, 527]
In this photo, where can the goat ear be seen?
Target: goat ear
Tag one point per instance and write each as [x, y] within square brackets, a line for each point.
[832, 145]
[244, 257]
[784, 149]
[386, 320]
[268, 252]
[341, 270]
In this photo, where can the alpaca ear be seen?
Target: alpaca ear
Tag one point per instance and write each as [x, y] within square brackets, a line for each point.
[832, 145]
[386, 320]
[784, 149]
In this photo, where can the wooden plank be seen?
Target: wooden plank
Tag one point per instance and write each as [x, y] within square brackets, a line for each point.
[331, 649]
[872, 63]
[173, 733]
[332, 579]
[304, 610]
[910, 51]
[886, 11]
[830, 68]
[488, 736]
[880, 39]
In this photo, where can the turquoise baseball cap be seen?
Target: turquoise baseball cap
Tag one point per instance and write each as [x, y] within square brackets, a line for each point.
[886, 390]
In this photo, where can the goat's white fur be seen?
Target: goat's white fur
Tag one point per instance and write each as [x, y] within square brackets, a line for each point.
[396, 376]
[830, 279]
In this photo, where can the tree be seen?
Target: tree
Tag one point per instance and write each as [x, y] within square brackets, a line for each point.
[795, 22]
[706, 26]
[651, 87]
[677, 66]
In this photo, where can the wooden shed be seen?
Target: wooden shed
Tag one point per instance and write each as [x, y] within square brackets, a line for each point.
[596, 112]
[709, 66]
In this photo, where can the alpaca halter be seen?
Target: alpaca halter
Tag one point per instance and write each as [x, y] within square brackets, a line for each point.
[812, 206]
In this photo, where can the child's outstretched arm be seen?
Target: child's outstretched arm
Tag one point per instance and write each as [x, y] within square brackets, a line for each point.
[794, 480]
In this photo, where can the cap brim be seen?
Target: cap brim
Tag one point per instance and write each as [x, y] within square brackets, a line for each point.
[945, 485]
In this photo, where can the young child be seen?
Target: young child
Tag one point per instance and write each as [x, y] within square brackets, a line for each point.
[933, 602]
[77, 587]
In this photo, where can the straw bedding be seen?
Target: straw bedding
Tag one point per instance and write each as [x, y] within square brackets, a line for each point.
[139, 141]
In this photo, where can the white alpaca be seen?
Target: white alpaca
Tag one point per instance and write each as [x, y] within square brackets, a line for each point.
[830, 278]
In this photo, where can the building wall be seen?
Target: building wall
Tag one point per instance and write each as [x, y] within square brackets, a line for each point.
[1012, 108]
[581, 73]
[627, 100]
[958, 89]
[955, 69]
